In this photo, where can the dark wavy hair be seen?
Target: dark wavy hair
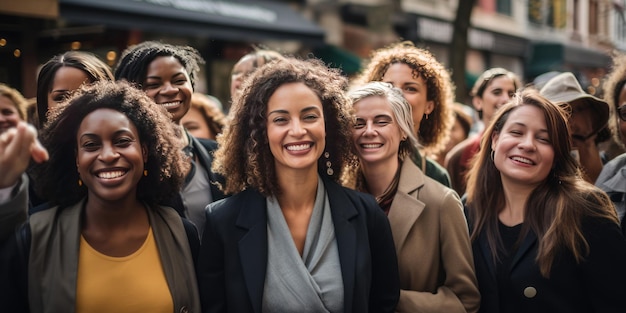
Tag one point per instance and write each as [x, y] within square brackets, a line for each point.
[555, 208]
[434, 132]
[244, 156]
[93, 67]
[134, 62]
[57, 179]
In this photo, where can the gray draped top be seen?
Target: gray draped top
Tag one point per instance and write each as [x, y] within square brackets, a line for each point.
[308, 283]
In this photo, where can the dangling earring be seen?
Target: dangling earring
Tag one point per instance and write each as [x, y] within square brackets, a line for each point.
[80, 183]
[427, 116]
[145, 172]
[493, 155]
[329, 169]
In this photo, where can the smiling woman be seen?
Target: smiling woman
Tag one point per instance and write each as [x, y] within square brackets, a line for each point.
[166, 73]
[113, 158]
[288, 237]
[544, 239]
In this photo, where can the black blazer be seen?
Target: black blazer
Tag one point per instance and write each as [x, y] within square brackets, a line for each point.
[597, 284]
[233, 255]
[204, 149]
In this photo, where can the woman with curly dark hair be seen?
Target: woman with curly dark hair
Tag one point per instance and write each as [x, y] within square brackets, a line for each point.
[166, 73]
[426, 85]
[105, 244]
[291, 237]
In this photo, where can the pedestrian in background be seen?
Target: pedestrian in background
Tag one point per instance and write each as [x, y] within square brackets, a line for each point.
[105, 244]
[427, 222]
[426, 85]
[612, 179]
[166, 73]
[63, 74]
[204, 119]
[245, 66]
[12, 107]
[291, 238]
[544, 239]
[588, 120]
[493, 88]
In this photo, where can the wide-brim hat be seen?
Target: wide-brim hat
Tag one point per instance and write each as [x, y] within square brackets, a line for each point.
[564, 88]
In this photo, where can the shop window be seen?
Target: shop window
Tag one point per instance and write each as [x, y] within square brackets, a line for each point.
[550, 13]
[504, 7]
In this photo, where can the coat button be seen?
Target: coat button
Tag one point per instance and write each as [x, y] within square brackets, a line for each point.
[184, 309]
[530, 292]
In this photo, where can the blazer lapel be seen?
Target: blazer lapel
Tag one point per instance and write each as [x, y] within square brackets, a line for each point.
[252, 220]
[529, 241]
[406, 208]
[206, 159]
[343, 211]
[486, 254]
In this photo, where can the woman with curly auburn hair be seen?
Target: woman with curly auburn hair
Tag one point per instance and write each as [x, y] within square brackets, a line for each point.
[544, 239]
[427, 87]
[106, 244]
[291, 237]
[612, 176]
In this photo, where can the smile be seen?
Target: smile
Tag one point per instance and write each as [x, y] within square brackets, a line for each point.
[168, 105]
[298, 147]
[110, 174]
[523, 160]
[371, 145]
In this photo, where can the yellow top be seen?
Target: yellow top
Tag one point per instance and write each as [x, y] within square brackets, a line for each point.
[134, 283]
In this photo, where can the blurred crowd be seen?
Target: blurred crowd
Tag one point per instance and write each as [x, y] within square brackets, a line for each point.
[122, 189]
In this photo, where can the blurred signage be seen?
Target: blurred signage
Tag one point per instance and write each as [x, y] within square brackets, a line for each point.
[223, 8]
[31, 8]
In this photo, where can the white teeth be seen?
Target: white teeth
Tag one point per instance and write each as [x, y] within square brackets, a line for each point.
[298, 147]
[522, 160]
[110, 175]
[371, 145]
[170, 104]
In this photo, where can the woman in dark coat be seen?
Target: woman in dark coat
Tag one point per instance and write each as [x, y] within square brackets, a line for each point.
[291, 238]
[544, 239]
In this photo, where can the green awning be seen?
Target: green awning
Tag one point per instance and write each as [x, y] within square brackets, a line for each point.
[335, 57]
[548, 56]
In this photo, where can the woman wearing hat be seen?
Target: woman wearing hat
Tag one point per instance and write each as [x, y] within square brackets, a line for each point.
[587, 122]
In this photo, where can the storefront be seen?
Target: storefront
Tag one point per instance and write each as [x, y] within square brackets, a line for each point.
[585, 63]
[229, 20]
[487, 49]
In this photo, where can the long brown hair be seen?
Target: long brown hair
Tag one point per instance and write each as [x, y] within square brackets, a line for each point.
[555, 208]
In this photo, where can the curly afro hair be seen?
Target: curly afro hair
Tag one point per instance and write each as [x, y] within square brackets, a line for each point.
[56, 180]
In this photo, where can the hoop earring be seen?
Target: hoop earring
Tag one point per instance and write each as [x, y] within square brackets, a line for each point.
[493, 155]
[329, 169]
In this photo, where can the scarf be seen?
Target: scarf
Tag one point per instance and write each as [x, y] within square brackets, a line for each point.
[313, 282]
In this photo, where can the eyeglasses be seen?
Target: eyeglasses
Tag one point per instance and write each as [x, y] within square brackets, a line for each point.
[621, 112]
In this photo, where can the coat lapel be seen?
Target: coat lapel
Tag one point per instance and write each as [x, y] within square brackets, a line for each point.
[527, 244]
[252, 220]
[406, 208]
[486, 254]
[343, 211]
